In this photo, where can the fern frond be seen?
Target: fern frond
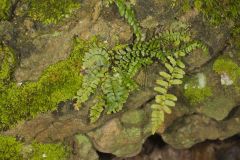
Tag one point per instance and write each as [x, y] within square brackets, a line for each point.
[126, 11]
[112, 72]
[164, 101]
[115, 93]
[95, 65]
[97, 109]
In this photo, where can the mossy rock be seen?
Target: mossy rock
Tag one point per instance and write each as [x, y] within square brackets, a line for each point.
[58, 83]
[226, 66]
[12, 149]
[218, 107]
[196, 89]
[51, 11]
[133, 118]
[85, 148]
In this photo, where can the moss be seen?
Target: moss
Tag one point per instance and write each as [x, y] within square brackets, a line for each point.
[196, 89]
[7, 64]
[58, 83]
[227, 66]
[11, 149]
[5, 6]
[197, 95]
[51, 11]
[215, 11]
[48, 152]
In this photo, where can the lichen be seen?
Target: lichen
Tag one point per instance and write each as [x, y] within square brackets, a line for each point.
[196, 89]
[5, 6]
[12, 149]
[226, 66]
[58, 83]
[51, 11]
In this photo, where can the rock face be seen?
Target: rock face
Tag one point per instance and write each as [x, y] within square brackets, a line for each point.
[214, 117]
[84, 149]
[123, 137]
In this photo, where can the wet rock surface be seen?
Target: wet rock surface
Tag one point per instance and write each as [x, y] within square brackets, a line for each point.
[123, 134]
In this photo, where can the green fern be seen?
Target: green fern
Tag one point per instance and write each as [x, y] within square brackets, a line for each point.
[115, 93]
[95, 65]
[109, 75]
[126, 11]
[97, 109]
[164, 100]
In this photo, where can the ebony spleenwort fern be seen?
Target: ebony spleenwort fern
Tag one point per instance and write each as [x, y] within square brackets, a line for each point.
[165, 100]
[95, 65]
[126, 11]
[97, 108]
[109, 74]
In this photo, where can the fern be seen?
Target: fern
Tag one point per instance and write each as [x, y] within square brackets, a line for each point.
[97, 109]
[95, 65]
[115, 93]
[109, 75]
[126, 11]
[164, 100]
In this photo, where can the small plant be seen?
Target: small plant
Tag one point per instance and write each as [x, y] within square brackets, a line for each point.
[108, 74]
[126, 11]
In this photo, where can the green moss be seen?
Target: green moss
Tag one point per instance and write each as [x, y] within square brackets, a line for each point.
[7, 64]
[215, 11]
[58, 83]
[11, 149]
[5, 6]
[51, 11]
[197, 95]
[227, 66]
[48, 152]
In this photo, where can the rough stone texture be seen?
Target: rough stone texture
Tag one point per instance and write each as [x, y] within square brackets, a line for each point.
[41, 48]
[122, 134]
[210, 150]
[116, 139]
[193, 129]
[133, 118]
[84, 148]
